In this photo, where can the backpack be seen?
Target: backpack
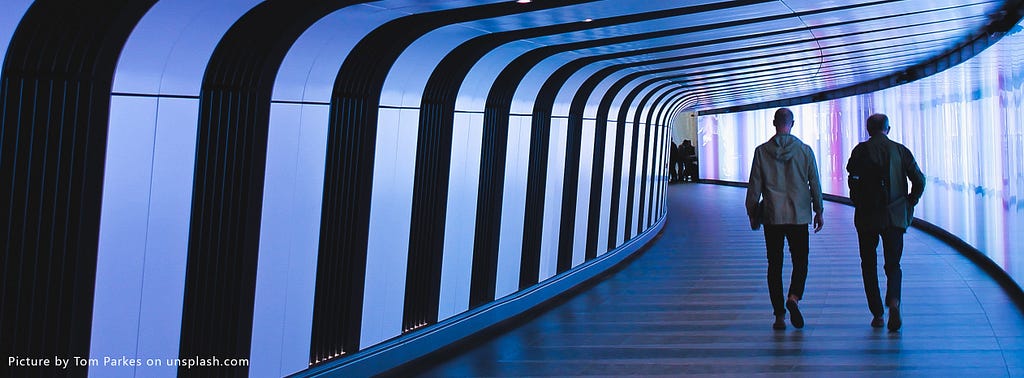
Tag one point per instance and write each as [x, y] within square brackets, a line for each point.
[870, 189]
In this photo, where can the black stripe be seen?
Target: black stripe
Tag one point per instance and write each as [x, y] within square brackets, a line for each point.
[667, 112]
[433, 162]
[537, 176]
[227, 196]
[653, 121]
[55, 112]
[644, 170]
[348, 184]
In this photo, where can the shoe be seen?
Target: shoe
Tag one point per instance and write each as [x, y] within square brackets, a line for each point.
[894, 319]
[794, 314]
[780, 323]
[877, 322]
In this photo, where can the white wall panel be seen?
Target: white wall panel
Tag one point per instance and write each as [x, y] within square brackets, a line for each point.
[460, 223]
[640, 176]
[649, 105]
[125, 212]
[649, 176]
[408, 77]
[599, 92]
[654, 175]
[390, 217]
[526, 92]
[167, 246]
[632, 110]
[480, 78]
[567, 89]
[617, 103]
[664, 176]
[289, 239]
[607, 175]
[144, 232]
[170, 47]
[627, 150]
[311, 66]
[586, 165]
[553, 199]
[513, 206]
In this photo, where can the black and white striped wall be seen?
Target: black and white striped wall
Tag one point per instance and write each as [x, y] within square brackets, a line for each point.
[294, 182]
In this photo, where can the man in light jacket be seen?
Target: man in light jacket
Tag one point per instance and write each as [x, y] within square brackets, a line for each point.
[783, 189]
[879, 169]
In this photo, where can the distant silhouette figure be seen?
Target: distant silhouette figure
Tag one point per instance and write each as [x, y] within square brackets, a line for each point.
[673, 162]
[688, 154]
[783, 189]
[879, 169]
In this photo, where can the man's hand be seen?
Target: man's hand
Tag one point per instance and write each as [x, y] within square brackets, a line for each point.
[819, 221]
[754, 225]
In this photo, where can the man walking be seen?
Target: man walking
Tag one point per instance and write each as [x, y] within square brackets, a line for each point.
[784, 174]
[879, 169]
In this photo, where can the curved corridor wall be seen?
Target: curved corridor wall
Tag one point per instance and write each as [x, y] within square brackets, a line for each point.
[964, 125]
[279, 192]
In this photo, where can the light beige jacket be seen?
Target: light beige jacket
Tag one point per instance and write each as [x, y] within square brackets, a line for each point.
[785, 174]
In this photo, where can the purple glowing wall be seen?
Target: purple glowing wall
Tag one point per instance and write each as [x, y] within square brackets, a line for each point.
[965, 126]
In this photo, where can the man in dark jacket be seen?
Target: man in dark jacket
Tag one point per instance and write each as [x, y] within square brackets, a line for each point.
[879, 169]
[688, 161]
[783, 190]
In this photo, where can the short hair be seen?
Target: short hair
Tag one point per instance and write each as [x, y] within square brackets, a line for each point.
[783, 116]
[877, 123]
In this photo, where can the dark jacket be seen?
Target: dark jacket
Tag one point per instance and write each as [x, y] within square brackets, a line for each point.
[867, 159]
[687, 153]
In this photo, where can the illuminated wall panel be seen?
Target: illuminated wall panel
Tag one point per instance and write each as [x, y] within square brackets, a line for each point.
[641, 149]
[479, 79]
[965, 126]
[553, 198]
[606, 189]
[144, 230]
[583, 193]
[404, 85]
[390, 217]
[119, 278]
[627, 150]
[463, 188]
[513, 209]
[170, 47]
[289, 238]
[308, 71]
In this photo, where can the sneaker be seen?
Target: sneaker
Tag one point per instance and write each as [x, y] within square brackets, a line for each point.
[894, 319]
[794, 314]
[877, 322]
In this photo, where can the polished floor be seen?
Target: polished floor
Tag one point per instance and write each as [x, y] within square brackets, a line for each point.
[696, 303]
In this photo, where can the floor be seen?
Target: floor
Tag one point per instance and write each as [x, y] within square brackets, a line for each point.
[696, 303]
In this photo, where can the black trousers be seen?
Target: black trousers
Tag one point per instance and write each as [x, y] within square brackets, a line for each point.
[892, 251]
[774, 237]
[674, 174]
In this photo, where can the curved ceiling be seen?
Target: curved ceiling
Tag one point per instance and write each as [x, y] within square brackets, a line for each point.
[723, 54]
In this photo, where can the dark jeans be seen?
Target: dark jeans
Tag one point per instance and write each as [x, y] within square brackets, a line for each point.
[892, 250]
[774, 236]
